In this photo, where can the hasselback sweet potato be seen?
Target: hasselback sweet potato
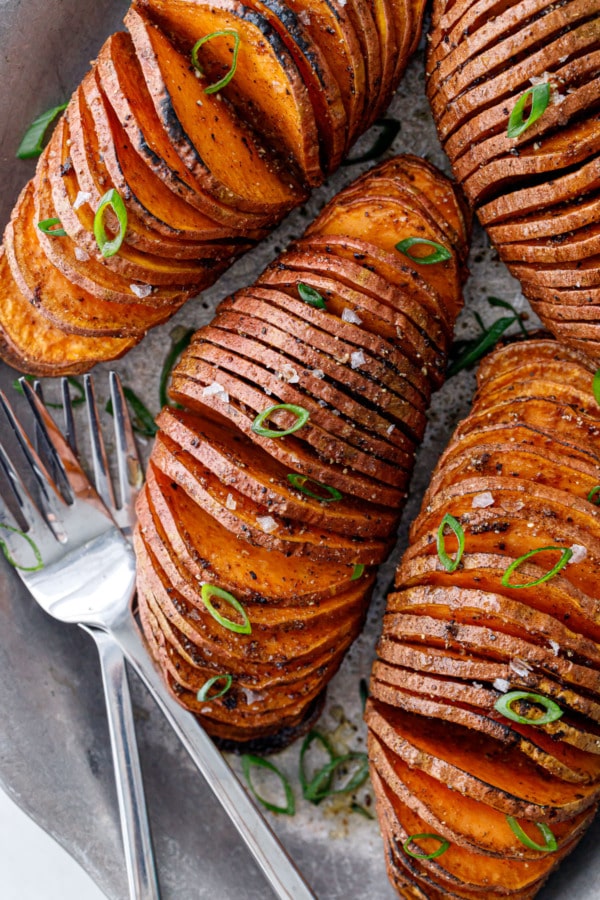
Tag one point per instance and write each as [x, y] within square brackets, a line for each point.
[292, 527]
[210, 120]
[514, 89]
[484, 714]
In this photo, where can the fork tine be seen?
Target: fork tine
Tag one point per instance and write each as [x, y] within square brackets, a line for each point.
[131, 473]
[102, 477]
[32, 520]
[70, 435]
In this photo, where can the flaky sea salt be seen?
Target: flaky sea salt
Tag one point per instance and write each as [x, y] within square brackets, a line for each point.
[480, 501]
[520, 667]
[318, 373]
[288, 373]
[81, 198]
[267, 523]
[230, 502]
[81, 254]
[141, 290]
[555, 647]
[348, 315]
[216, 390]
[390, 429]
[579, 552]
[501, 684]
[357, 359]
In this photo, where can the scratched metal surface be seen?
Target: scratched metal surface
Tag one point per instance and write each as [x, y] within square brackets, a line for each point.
[54, 755]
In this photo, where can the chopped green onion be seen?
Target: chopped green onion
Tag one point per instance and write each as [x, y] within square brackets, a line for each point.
[247, 762]
[302, 414]
[363, 690]
[595, 492]
[540, 97]
[416, 837]
[227, 32]
[504, 706]
[210, 590]
[177, 348]
[320, 786]
[311, 296]
[439, 253]
[143, 420]
[474, 350]
[357, 808]
[566, 554]
[299, 482]
[49, 226]
[310, 738]
[448, 563]
[33, 139]
[497, 301]
[549, 847]
[111, 199]
[596, 386]
[76, 401]
[39, 562]
[357, 571]
[202, 694]
[389, 130]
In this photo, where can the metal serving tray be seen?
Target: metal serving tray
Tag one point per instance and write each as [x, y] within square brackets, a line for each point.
[54, 751]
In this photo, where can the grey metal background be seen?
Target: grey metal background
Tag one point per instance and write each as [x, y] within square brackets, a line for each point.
[54, 754]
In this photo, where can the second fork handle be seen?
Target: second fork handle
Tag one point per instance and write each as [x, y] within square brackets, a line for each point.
[135, 830]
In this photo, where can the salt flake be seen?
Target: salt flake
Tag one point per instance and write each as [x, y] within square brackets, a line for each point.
[230, 502]
[81, 254]
[81, 198]
[348, 315]
[579, 552]
[141, 290]
[480, 501]
[357, 359]
[216, 390]
[267, 523]
[501, 684]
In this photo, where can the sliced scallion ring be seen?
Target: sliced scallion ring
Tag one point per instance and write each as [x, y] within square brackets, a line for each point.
[539, 95]
[247, 763]
[310, 738]
[594, 493]
[444, 844]
[566, 554]
[448, 563]
[302, 415]
[596, 386]
[320, 786]
[33, 139]
[551, 844]
[504, 706]
[439, 253]
[39, 562]
[211, 590]
[299, 482]
[357, 571]
[52, 227]
[311, 296]
[113, 200]
[202, 694]
[226, 32]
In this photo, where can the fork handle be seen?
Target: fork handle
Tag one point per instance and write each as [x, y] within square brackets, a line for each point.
[137, 843]
[265, 847]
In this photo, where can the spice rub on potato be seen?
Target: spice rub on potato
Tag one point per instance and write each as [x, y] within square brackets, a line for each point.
[515, 89]
[195, 132]
[274, 490]
[484, 709]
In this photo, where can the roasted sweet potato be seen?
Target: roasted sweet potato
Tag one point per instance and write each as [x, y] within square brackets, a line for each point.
[292, 527]
[211, 120]
[503, 600]
[532, 176]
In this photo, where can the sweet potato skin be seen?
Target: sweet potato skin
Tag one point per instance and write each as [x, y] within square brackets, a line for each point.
[219, 505]
[536, 193]
[455, 641]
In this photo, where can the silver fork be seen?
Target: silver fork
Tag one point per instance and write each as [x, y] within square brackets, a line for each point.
[88, 577]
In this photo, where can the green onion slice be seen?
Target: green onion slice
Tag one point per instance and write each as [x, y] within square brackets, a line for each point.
[540, 97]
[497, 301]
[310, 738]
[311, 296]
[361, 810]
[39, 562]
[475, 349]
[299, 482]
[247, 762]
[111, 199]
[389, 128]
[320, 786]
[33, 139]
[302, 415]
[52, 227]
[177, 348]
[504, 706]
[549, 847]
[566, 554]
[202, 694]
[227, 32]
[143, 420]
[439, 253]
[211, 590]
[357, 571]
[596, 387]
[416, 837]
[448, 563]
[595, 492]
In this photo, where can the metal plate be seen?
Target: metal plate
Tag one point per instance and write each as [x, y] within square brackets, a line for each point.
[54, 752]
